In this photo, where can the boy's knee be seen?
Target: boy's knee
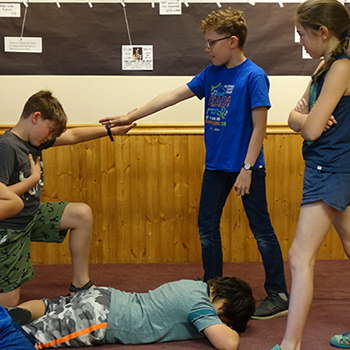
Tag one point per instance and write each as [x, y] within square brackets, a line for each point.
[81, 211]
[10, 298]
[76, 216]
[86, 211]
[86, 214]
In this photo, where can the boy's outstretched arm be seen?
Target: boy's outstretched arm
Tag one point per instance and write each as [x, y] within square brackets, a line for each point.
[77, 135]
[222, 337]
[160, 102]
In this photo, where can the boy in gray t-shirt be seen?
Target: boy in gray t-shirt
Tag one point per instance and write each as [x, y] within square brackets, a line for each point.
[42, 125]
[181, 310]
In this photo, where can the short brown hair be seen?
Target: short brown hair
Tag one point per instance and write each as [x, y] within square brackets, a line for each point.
[49, 107]
[227, 21]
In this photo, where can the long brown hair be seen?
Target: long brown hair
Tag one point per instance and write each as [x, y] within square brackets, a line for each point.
[312, 14]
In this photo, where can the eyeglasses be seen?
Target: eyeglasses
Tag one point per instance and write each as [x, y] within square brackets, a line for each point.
[208, 44]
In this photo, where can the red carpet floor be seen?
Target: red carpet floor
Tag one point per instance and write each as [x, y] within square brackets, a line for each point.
[329, 314]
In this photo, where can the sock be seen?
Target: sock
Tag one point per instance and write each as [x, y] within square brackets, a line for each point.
[283, 296]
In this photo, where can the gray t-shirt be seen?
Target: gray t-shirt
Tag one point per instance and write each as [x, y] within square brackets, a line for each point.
[15, 167]
[178, 310]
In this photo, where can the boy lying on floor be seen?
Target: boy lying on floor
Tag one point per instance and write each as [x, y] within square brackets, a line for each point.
[181, 310]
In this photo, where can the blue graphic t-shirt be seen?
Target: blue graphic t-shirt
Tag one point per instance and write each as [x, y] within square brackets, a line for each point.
[230, 96]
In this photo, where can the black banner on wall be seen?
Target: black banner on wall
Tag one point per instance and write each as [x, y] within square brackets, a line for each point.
[79, 40]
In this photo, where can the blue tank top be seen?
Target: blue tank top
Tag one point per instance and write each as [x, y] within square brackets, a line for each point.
[331, 151]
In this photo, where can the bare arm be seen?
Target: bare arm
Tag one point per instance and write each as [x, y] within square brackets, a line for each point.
[312, 124]
[243, 181]
[298, 114]
[160, 102]
[336, 84]
[10, 203]
[222, 337]
[77, 135]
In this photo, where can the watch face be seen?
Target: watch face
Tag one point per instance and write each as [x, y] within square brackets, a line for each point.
[247, 166]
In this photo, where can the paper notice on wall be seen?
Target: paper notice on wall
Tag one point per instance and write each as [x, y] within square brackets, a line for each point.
[171, 7]
[21, 44]
[10, 10]
[137, 57]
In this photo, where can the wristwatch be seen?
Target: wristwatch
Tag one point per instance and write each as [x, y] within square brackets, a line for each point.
[247, 166]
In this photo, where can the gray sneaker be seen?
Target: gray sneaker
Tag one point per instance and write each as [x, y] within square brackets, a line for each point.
[273, 306]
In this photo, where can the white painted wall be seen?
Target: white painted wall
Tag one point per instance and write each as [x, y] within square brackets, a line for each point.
[86, 99]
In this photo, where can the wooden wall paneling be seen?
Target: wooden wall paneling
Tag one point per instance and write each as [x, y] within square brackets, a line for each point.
[106, 235]
[137, 201]
[151, 199]
[285, 171]
[144, 190]
[123, 208]
[166, 198]
[195, 169]
[190, 178]
[90, 187]
[180, 200]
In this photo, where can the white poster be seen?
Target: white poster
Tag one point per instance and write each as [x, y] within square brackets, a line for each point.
[10, 10]
[137, 57]
[23, 44]
[170, 7]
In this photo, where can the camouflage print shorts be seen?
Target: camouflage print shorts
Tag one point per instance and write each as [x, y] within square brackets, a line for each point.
[15, 265]
[73, 321]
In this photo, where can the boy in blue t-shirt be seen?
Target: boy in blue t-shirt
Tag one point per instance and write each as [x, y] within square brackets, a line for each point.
[236, 104]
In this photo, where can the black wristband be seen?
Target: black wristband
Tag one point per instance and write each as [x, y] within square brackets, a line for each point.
[109, 132]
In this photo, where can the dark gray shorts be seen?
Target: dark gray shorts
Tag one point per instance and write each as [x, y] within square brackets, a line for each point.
[331, 188]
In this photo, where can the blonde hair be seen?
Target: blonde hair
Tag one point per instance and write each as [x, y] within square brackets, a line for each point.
[49, 107]
[312, 14]
[227, 21]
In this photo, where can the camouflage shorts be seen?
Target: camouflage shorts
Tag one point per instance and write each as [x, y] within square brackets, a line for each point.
[15, 265]
[73, 321]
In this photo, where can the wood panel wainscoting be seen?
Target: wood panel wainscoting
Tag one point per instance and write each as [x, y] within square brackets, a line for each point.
[144, 190]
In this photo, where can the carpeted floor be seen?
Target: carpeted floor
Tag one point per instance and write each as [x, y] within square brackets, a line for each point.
[329, 314]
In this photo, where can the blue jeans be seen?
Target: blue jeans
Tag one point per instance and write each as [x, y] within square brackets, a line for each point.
[216, 187]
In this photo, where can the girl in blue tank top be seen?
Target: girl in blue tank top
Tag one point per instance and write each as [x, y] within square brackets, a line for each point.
[322, 116]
